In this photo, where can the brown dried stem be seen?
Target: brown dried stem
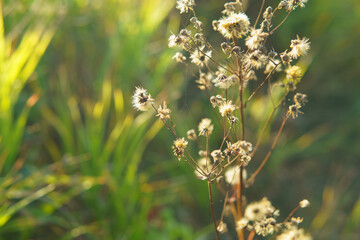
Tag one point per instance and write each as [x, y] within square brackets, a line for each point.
[212, 210]
[251, 179]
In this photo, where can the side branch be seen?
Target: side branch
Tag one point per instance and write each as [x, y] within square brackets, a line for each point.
[251, 179]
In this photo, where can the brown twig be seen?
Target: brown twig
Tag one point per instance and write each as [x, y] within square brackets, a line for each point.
[212, 210]
[260, 11]
[266, 126]
[251, 179]
[262, 84]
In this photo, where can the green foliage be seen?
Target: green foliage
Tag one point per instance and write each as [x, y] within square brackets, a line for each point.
[17, 63]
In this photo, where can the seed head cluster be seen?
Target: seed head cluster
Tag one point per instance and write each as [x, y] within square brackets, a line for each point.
[232, 75]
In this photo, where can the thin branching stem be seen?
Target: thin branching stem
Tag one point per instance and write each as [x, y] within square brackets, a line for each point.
[273, 30]
[251, 179]
[292, 213]
[225, 137]
[260, 11]
[212, 210]
[242, 117]
[262, 84]
[251, 235]
[266, 126]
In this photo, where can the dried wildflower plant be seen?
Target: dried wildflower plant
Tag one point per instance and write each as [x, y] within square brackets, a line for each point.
[223, 75]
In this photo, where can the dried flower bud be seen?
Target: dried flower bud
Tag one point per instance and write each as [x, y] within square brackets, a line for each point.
[222, 81]
[185, 33]
[179, 147]
[206, 167]
[163, 111]
[216, 100]
[232, 175]
[297, 220]
[256, 38]
[234, 149]
[250, 75]
[179, 57]
[229, 8]
[236, 50]
[300, 99]
[285, 57]
[202, 153]
[272, 54]
[255, 59]
[226, 108]
[294, 233]
[199, 57]
[293, 72]
[197, 24]
[191, 135]
[232, 119]
[141, 100]
[246, 146]
[204, 82]
[215, 25]
[222, 228]
[177, 41]
[241, 224]
[185, 5]
[225, 47]
[235, 25]
[199, 37]
[256, 211]
[304, 203]
[205, 127]
[217, 155]
[245, 159]
[299, 47]
[284, 4]
[265, 25]
[268, 13]
[294, 111]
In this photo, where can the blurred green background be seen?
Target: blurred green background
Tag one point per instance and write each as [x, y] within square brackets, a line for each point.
[76, 162]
